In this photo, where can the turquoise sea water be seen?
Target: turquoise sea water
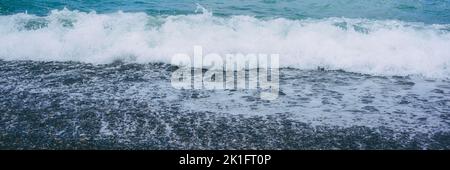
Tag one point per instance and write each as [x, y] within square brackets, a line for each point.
[428, 11]
[380, 37]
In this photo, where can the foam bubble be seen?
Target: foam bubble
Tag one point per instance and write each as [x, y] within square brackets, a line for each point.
[381, 47]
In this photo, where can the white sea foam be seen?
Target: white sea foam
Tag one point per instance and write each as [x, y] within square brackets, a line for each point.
[356, 45]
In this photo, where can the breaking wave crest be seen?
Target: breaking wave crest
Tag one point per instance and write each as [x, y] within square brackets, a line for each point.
[380, 47]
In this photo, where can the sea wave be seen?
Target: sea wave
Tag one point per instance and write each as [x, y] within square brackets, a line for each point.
[379, 47]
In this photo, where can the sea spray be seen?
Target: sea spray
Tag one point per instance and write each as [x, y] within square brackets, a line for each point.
[378, 47]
